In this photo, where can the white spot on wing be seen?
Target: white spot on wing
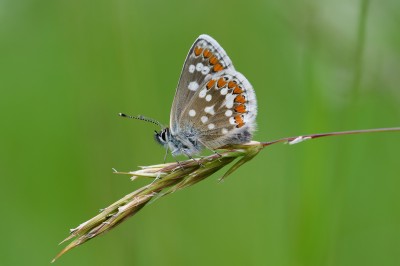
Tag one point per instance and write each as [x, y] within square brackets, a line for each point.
[205, 70]
[199, 66]
[211, 126]
[228, 113]
[192, 112]
[224, 91]
[193, 86]
[204, 119]
[224, 131]
[229, 100]
[203, 93]
[232, 121]
[210, 110]
[208, 97]
[192, 68]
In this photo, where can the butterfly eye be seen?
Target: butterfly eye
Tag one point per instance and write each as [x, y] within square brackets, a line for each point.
[157, 137]
[164, 138]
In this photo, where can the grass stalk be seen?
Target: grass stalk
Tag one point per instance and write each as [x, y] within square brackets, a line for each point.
[171, 177]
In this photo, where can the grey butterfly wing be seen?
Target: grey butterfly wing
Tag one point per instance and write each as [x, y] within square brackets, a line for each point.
[205, 59]
[222, 111]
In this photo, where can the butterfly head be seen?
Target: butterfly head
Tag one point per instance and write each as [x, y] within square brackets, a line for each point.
[178, 144]
[163, 136]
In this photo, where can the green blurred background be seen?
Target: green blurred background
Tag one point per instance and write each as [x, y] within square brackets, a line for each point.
[68, 67]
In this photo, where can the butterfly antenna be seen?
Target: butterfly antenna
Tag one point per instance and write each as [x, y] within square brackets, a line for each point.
[143, 118]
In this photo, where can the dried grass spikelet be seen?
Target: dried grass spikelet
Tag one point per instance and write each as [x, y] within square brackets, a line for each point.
[171, 177]
[167, 178]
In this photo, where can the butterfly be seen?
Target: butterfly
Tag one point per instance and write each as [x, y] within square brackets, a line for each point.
[214, 105]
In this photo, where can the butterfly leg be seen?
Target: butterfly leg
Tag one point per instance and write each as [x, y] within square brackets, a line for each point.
[176, 160]
[217, 153]
[158, 177]
[179, 163]
[165, 158]
[213, 150]
[166, 153]
[190, 157]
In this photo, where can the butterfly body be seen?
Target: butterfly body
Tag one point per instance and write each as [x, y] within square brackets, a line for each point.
[186, 142]
[214, 105]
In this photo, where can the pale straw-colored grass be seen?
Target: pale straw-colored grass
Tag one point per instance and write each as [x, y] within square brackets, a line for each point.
[171, 177]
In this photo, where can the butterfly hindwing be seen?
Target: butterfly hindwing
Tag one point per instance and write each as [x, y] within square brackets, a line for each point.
[222, 111]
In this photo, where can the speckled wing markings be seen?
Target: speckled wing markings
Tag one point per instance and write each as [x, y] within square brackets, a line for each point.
[205, 59]
[223, 110]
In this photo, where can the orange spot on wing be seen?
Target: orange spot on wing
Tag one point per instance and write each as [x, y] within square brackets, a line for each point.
[210, 84]
[198, 50]
[240, 99]
[237, 90]
[239, 121]
[240, 108]
[221, 82]
[218, 67]
[231, 84]
[207, 53]
[213, 60]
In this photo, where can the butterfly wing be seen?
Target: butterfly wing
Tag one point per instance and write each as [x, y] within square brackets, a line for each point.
[222, 111]
[205, 59]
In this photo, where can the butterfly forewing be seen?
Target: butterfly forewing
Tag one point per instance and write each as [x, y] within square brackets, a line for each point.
[206, 58]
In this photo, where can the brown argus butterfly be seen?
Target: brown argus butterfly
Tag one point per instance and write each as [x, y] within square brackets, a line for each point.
[214, 105]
